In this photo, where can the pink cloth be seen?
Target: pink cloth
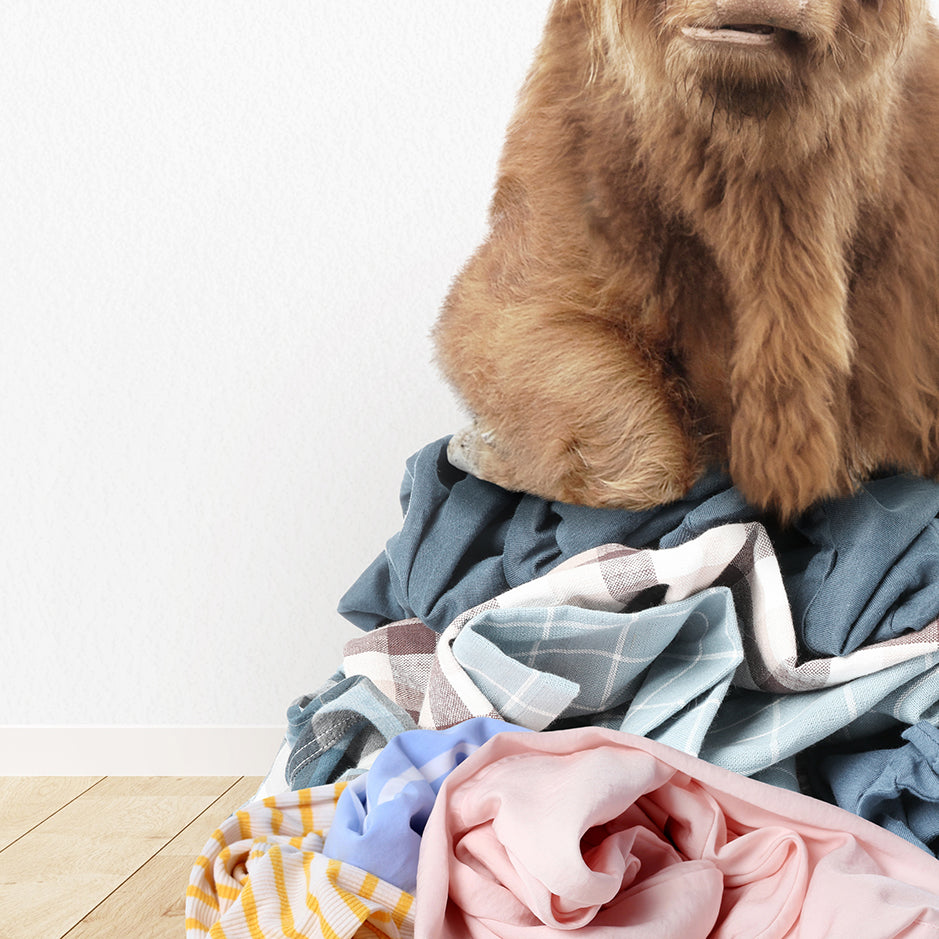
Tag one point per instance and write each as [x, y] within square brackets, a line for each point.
[536, 835]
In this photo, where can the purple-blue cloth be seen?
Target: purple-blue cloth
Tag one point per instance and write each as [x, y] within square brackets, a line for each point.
[381, 815]
[857, 570]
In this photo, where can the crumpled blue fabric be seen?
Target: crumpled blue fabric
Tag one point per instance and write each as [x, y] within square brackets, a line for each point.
[338, 728]
[897, 789]
[381, 815]
[661, 672]
[858, 569]
[872, 561]
[464, 541]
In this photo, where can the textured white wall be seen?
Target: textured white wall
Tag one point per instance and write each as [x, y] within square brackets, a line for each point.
[225, 231]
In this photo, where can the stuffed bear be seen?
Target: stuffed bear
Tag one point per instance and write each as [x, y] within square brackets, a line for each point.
[714, 241]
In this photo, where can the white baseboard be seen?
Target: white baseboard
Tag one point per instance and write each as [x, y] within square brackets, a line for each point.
[138, 751]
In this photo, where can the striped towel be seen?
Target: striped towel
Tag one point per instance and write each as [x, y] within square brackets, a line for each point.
[263, 874]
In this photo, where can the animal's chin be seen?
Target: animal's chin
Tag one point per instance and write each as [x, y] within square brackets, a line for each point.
[747, 69]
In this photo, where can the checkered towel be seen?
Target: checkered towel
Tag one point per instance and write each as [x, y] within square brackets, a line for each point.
[712, 612]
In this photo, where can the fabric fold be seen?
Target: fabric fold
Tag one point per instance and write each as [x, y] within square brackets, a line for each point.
[692, 645]
[263, 873]
[897, 788]
[611, 834]
[858, 570]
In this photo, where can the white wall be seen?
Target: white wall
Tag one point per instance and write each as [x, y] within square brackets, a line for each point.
[225, 231]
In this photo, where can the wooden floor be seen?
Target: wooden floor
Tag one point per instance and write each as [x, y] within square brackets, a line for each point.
[104, 857]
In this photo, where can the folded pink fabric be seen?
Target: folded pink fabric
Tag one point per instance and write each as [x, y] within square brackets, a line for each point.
[613, 835]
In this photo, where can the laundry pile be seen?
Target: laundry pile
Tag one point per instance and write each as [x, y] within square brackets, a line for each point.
[699, 638]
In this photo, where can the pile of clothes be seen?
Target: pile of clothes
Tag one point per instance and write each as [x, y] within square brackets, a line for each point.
[690, 669]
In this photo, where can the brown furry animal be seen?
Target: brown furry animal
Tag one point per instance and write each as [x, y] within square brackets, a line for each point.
[714, 239]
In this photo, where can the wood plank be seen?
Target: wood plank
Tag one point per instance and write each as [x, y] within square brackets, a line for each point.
[154, 898]
[25, 801]
[61, 870]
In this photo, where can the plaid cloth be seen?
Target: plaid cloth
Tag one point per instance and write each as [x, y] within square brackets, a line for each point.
[692, 645]
[331, 740]
[857, 570]
[263, 874]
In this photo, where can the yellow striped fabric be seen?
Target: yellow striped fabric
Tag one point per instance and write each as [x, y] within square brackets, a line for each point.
[262, 875]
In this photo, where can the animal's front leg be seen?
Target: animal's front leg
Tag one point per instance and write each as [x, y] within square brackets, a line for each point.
[779, 240]
[568, 407]
[789, 377]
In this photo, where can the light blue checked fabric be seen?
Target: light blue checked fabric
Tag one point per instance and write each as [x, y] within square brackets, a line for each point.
[660, 672]
[754, 730]
[593, 643]
[664, 673]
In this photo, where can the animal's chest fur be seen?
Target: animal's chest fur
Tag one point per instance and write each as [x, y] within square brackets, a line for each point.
[691, 294]
[664, 282]
[697, 252]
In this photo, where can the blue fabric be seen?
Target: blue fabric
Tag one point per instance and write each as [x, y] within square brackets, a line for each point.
[381, 815]
[897, 789]
[661, 672]
[464, 541]
[337, 729]
[874, 560]
[857, 570]
[753, 730]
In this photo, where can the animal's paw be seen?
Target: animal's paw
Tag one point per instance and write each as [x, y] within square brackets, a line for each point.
[643, 478]
[789, 466]
[475, 451]
[625, 475]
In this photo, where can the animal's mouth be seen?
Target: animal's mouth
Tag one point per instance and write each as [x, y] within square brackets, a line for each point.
[751, 35]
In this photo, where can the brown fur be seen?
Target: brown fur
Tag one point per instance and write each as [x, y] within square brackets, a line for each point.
[702, 252]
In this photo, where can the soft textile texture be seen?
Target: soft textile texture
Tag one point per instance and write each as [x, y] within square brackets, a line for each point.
[896, 788]
[647, 641]
[263, 873]
[330, 741]
[859, 569]
[381, 815]
[539, 835]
